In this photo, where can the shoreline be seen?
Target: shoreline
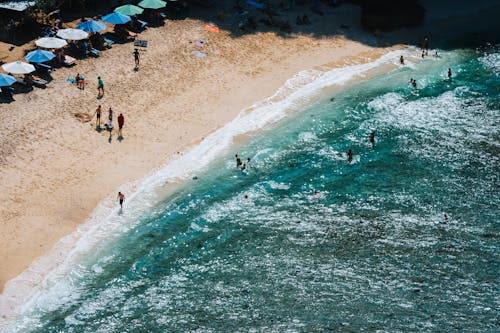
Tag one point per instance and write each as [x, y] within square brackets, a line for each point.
[47, 269]
[56, 170]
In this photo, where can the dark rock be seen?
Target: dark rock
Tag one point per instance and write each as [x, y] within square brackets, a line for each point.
[385, 15]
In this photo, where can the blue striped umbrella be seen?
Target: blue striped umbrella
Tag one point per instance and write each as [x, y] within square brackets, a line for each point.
[116, 18]
[91, 26]
[6, 80]
[39, 56]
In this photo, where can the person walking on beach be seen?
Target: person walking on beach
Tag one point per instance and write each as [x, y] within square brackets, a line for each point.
[82, 83]
[121, 122]
[372, 139]
[401, 60]
[110, 118]
[98, 113]
[349, 155]
[238, 161]
[121, 198]
[449, 73]
[100, 86]
[136, 58]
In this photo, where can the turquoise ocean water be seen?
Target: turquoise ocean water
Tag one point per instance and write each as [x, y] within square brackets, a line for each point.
[318, 244]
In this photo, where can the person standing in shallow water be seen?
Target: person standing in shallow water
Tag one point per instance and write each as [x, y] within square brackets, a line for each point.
[401, 60]
[449, 73]
[238, 161]
[121, 199]
[372, 139]
[349, 155]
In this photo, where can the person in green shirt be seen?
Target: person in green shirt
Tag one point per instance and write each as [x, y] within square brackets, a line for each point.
[100, 86]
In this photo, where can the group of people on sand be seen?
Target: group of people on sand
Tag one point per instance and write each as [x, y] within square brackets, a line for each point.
[80, 81]
[80, 84]
[109, 126]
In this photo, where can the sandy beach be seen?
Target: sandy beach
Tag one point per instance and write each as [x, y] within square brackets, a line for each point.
[56, 168]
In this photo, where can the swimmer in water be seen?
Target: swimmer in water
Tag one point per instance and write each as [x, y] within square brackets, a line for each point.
[372, 139]
[238, 161]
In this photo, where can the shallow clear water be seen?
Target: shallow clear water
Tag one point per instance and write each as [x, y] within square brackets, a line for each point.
[320, 244]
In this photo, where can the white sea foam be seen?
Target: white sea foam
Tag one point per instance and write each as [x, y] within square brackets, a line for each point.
[50, 280]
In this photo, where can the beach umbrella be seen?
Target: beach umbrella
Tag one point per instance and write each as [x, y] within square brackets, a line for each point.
[129, 10]
[51, 42]
[39, 56]
[152, 4]
[116, 18]
[72, 34]
[91, 26]
[6, 80]
[18, 67]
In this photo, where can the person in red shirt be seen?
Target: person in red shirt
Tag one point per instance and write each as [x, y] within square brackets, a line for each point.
[121, 122]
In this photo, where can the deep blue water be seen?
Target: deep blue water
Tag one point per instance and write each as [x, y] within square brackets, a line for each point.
[321, 244]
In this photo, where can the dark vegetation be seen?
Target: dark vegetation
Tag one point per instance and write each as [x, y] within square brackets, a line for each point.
[376, 14]
[279, 16]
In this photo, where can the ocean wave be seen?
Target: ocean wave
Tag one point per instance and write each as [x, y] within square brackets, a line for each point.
[37, 288]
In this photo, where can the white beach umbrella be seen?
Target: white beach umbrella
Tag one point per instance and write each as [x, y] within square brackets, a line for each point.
[72, 34]
[18, 67]
[51, 42]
